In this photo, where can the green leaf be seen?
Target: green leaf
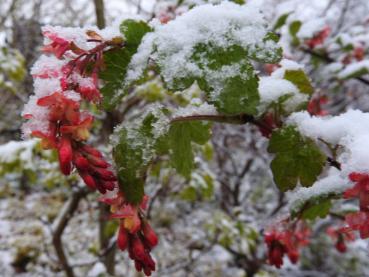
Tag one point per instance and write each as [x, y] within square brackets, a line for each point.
[272, 54]
[227, 74]
[300, 80]
[117, 61]
[293, 29]
[181, 135]
[140, 141]
[236, 94]
[281, 21]
[134, 31]
[239, 95]
[318, 209]
[297, 159]
[133, 154]
[357, 73]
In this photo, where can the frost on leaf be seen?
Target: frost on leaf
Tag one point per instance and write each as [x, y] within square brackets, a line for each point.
[213, 45]
[135, 148]
[288, 87]
[139, 142]
[117, 61]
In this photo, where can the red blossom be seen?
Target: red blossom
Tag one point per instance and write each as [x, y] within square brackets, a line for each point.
[65, 155]
[341, 236]
[359, 221]
[285, 238]
[79, 131]
[134, 230]
[315, 106]
[319, 38]
[359, 190]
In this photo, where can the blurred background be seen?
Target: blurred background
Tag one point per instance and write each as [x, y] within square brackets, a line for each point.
[210, 225]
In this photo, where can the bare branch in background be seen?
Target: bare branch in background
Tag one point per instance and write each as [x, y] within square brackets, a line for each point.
[61, 223]
[10, 10]
[100, 13]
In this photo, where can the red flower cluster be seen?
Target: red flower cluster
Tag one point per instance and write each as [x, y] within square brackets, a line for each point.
[359, 221]
[54, 114]
[68, 126]
[341, 236]
[319, 38]
[135, 233]
[286, 238]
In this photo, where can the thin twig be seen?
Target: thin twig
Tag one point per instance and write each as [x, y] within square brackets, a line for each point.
[59, 225]
[328, 59]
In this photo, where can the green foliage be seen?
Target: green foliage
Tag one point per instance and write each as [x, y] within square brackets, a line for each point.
[232, 233]
[133, 32]
[281, 21]
[117, 61]
[293, 29]
[317, 209]
[181, 135]
[201, 186]
[12, 68]
[140, 142]
[357, 73]
[237, 93]
[132, 154]
[297, 159]
[300, 80]
[25, 163]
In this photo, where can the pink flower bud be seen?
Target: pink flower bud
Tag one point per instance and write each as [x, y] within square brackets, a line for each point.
[147, 271]
[149, 234]
[138, 249]
[81, 162]
[105, 174]
[341, 246]
[293, 256]
[138, 266]
[122, 240]
[109, 185]
[88, 179]
[92, 151]
[65, 156]
[98, 162]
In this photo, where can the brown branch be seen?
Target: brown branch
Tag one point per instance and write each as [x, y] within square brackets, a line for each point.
[59, 225]
[328, 59]
[100, 13]
[10, 10]
[232, 119]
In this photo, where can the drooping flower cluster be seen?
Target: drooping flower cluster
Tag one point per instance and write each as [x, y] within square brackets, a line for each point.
[54, 113]
[63, 78]
[135, 233]
[285, 238]
[359, 221]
